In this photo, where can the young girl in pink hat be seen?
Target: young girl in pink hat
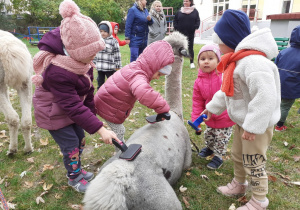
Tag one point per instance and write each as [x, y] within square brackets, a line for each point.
[219, 127]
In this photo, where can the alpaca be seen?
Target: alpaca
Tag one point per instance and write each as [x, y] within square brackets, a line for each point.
[145, 182]
[15, 71]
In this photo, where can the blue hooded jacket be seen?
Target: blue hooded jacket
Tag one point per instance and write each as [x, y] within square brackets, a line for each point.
[288, 64]
[136, 28]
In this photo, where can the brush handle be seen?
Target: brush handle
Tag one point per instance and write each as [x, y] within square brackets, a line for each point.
[122, 146]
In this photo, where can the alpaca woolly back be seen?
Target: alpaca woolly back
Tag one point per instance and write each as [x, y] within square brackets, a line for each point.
[107, 190]
[16, 60]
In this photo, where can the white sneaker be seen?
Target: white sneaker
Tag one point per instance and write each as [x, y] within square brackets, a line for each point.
[192, 66]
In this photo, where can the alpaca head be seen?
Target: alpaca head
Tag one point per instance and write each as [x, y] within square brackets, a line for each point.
[179, 43]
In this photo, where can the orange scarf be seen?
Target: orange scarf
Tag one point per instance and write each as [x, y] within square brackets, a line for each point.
[227, 66]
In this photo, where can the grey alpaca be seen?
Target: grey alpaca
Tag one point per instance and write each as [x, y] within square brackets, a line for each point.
[15, 72]
[146, 182]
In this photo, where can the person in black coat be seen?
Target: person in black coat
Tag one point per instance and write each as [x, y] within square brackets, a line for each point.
[186, 21]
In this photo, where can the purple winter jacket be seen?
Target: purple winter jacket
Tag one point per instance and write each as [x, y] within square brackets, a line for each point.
[64, 97]
[115, 99]
[206, 85]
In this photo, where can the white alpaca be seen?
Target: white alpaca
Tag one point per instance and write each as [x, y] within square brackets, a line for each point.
[15, 71]
[145, 182]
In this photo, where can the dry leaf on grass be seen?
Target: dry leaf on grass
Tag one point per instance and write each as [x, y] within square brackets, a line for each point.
[44, 142]
[296, 183]
[23, 174]
[285, 143]
[28, 184]
[232, 207]
[76, 206]
[292, 147]
[219, 174]
[39, 200]
[296, 158]
[47, 167]
[242, 200]
[186, 203]
[57, 196]
[272, 178]
[283, 176]
[2, 134]
[182, 188]
[204, 177]
[30, 160]
[188, 173]
[47, 186]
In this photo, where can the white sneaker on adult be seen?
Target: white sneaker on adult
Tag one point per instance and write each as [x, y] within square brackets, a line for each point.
[192, 66]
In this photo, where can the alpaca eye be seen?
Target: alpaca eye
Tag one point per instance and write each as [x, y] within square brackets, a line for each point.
[73, 158]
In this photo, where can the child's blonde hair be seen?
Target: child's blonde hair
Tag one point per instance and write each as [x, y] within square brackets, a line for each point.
[154, 4]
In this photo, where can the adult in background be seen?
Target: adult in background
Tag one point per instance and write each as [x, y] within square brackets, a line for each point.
[288, 64]
[136, 28]
[158, 29]
[187, 21]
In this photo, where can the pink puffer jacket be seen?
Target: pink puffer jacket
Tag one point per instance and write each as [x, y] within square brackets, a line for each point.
[115, 99]
[206, 85]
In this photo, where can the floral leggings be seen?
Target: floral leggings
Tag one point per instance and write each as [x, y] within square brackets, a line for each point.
[217, 139]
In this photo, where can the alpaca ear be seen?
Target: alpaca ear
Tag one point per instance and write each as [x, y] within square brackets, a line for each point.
[184, 52]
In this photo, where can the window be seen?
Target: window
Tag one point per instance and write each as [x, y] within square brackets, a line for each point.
[286, 6]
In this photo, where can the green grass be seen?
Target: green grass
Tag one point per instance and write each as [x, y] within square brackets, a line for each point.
[200, 194]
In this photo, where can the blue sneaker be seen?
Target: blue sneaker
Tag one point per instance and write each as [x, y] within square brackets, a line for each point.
[215, 163]
[205, 152]
[79, 184]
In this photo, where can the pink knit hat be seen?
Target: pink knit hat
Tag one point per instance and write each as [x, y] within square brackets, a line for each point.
[210, 47]
[79, 33]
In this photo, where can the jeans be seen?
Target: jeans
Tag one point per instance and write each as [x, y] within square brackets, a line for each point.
[135, 52]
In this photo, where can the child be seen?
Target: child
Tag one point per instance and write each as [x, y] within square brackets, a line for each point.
[288, 64]
[158, 29]
[107, 61]
[251, 93]
[218, 128]
[63, 100]
[115, 26]
[116, 98]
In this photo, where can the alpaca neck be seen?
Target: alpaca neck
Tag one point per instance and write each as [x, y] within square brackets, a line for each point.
[173, 88]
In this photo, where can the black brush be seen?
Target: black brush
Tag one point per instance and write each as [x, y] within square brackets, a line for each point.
[130, 152]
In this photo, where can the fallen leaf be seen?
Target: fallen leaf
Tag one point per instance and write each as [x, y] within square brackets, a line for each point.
[9, 205]
[296, 183]
[44, 142]
[39, 199]
[76, 206]
[285, 143]
[219, 174]
[296, 158]
[187, 204]
[232, 207]
[188, 173]
[30, 160]
[43, 193]
[182, 188]
[272, 178]
[292, 147]
[28, 184]
[57, 196]
[209, 157]
[283, 176]
[2, 134]
[204, 177]
[131, 120]
[23, 174]
[276, 159]
[242, 200]
[47, 187]
[47, 167]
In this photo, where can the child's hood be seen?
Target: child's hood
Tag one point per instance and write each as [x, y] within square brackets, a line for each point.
[155, 56]
[261, 40]
[51, 42]
[109, 26]
[113, 25]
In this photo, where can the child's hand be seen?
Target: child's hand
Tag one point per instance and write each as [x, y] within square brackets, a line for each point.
[107, 135]
[248, 136]
[127, 41]
[207, 113]
[148, 17]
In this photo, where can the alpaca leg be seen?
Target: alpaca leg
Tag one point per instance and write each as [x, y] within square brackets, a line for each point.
[26, 120]
[11, 117]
